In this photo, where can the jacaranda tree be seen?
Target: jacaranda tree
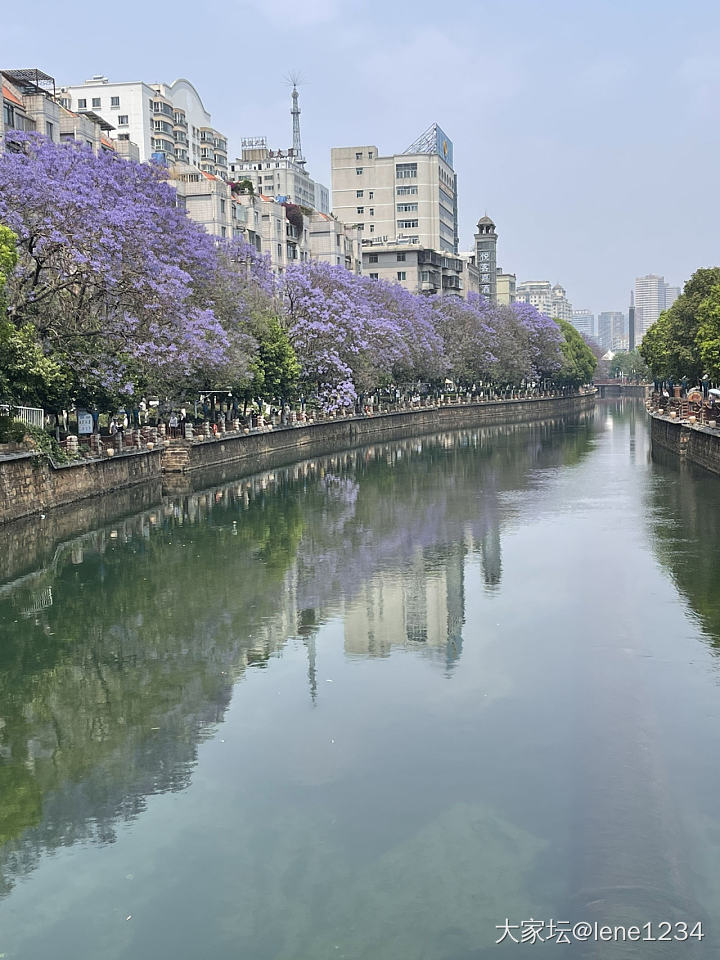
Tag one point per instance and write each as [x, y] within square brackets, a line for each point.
[111, 274]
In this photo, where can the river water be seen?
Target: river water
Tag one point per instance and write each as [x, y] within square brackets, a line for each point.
[370, 706]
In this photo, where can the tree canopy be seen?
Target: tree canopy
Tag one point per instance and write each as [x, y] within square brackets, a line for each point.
[683, 342]
[578, 360]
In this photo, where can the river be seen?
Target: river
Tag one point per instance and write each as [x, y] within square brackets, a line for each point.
[371, 706]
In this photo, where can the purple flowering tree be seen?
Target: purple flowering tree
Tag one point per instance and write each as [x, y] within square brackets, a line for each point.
[111, 273]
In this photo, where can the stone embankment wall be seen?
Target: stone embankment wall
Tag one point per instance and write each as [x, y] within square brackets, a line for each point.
[29, 484]
[692, 443]
[248, 454]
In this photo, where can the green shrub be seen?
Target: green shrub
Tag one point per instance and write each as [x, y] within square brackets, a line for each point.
[11, 431]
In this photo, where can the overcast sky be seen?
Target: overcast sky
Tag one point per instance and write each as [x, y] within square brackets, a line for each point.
[588, 130]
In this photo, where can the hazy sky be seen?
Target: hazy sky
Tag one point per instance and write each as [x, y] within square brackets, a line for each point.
[588, 130]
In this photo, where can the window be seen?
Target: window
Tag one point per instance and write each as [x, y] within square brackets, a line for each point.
[374, 276]
[406, 171]
[401, 257]
[371, 194]
[372, 228]
[224, 231]
[372, 211]
[279, 249]
[359, 194]
[96, 103]
[114, 101]
[373, 258]
[358, 156]
[358, 170]
[401, 275]
[369, 154]
[406, 191]
[222, 205]
[360, 226]
[407, 224]
[361, 209]
[123, 119]
[49, 129]
[82, 104]
[407, 208]
[123, 136]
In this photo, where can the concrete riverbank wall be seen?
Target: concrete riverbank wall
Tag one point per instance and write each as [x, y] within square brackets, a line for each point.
[241, 455]
[30, 484]
[690, 442]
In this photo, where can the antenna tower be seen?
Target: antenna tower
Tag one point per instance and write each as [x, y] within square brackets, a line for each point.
[294, 79]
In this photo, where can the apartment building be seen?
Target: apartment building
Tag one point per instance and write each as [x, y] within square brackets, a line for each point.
[416, 268]
[405, 198]
[549, 300]
[333, 241]
[30, 101]
[278, 173]
[506, 287]
[168, 122]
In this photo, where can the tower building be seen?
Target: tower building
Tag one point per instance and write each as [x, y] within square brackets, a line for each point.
[486, 257]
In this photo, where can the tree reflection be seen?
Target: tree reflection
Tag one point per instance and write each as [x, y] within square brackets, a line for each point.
[119, 657]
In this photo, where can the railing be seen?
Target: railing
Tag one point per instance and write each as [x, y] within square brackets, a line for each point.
[32, 416]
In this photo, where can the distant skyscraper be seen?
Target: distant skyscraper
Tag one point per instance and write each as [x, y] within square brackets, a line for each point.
[584, 321]
[652, 296]
[611, 330]
[631, 322]
[671, 295]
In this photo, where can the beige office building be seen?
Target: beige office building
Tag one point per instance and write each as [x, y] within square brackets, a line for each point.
[506, 288]
[406, 198]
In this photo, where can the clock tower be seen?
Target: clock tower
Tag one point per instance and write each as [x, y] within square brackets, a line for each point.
[486, 257]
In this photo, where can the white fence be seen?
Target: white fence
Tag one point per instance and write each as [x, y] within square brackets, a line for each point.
[32, 416]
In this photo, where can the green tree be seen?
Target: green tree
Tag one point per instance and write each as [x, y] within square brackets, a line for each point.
[275, 368]
[630, 365]
[8, 255]
[579, 363]
[672, 347]
[27, 375]
[708, 334]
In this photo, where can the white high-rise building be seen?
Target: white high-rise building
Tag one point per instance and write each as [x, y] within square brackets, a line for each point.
[168, 122]
[549, 300]
[538, 293]
[584, 321]
[404, 198]
[612, 330]
[280, 174]
[652, 296]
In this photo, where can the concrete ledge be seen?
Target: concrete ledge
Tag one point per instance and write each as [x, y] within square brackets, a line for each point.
[30, 483]
[248, 453]
[691, 442]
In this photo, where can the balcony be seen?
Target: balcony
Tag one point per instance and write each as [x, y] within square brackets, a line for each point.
[180, 121]
[159, 106]
[451, 283]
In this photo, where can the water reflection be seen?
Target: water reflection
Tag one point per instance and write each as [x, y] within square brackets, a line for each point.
[119, 657]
